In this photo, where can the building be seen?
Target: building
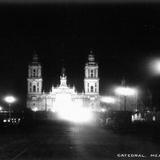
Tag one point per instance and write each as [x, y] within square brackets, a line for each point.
[62, 95]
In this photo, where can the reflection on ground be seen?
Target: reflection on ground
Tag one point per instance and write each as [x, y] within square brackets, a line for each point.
[61, 140]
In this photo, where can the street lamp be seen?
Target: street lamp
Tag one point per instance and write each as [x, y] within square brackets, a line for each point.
[125, 91]
[9, 100]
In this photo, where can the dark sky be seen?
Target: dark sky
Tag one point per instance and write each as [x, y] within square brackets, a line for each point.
[123, 36]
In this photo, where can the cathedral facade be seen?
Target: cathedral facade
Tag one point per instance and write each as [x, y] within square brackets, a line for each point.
[62, 94]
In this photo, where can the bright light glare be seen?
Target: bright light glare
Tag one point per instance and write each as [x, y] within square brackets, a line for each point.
[10, 99]
[72, 111]
[126, 91]
[63, 101]
[155, 66]
[110, 100]
[103, 110]
[35, 109]
[76, 114]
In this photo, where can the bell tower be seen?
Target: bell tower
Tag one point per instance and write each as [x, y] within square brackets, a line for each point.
[34, 76]
[63, 78]
[91, 80]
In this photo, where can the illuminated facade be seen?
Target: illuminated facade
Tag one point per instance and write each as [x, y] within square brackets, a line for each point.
[62, 95]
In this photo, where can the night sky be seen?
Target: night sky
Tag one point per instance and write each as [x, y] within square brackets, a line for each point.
[123, 37]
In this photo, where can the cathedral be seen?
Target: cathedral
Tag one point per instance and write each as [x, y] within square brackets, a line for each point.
[62, 94]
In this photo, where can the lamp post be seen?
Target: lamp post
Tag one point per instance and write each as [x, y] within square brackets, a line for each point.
[125, 91]
[9, 100]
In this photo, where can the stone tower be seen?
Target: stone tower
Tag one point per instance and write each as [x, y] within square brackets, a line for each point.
[91, 80]
[34, 77]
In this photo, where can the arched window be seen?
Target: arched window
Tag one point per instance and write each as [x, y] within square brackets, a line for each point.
[92, 89]
[34, 88]
[91, 73]
[34, 72]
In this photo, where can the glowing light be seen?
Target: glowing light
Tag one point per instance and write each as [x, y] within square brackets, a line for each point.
[76, 114]
[1, 108]
[126, 91]
[108, 99]
[92, 98]
[10, 99]
[72, 110]
[53, 110]
[103, 110]
[155, 66]
[78, 103]
[35, 109]
[63, 101]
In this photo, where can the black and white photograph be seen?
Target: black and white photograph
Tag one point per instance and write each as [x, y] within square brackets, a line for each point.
[79, 79]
